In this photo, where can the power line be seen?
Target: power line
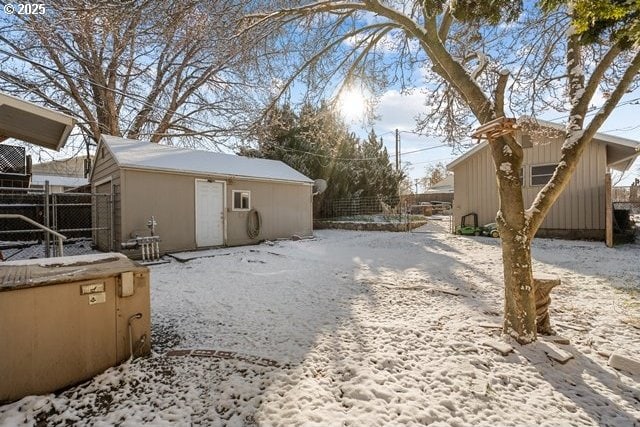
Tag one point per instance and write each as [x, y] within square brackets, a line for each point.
[625, 129]
[634, 101]
[433, 161]
[327, 156]
[117, 91]
[424, 149]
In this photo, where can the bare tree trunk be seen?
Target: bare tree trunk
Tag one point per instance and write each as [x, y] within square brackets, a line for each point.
[519, 306]
[519, 302]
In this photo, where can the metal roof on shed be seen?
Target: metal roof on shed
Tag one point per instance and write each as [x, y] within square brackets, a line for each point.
[130, 153]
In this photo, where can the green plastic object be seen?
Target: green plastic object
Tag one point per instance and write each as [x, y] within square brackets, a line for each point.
[469, 227]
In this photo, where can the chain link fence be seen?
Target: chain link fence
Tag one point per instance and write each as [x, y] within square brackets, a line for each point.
[355, 208]
[79, 217]
[626, 211]
[627, 198]
[404, 213]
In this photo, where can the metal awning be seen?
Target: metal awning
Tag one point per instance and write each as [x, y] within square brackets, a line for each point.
[32, 123]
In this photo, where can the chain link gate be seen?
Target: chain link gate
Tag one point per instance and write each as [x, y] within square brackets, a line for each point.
[82, 218]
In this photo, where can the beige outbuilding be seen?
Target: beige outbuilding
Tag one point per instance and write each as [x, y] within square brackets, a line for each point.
[198, 199]
[579, 212]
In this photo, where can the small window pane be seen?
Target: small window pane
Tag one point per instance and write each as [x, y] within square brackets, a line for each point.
[241, 200]
[543, 170]
[540, 175]
[540, 179]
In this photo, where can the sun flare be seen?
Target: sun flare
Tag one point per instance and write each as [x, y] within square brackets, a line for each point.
[352, 104]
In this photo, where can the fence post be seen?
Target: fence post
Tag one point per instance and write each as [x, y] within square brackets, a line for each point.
[110, 210]
[608, 212]
[47, 248]
[54, 212]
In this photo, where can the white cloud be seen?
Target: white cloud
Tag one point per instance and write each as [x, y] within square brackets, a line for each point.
[398, 110]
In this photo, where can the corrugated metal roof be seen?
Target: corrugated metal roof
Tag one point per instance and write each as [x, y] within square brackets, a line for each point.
[130, 153]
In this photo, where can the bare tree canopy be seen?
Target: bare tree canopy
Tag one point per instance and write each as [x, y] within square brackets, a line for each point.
[434, 174]
[475, 62]
[147, 69]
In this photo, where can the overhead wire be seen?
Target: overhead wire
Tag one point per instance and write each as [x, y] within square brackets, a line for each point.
[594, 110]
[126, 95]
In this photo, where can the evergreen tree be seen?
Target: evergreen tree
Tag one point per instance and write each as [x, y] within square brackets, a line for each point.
[377, 176]
[317, 143]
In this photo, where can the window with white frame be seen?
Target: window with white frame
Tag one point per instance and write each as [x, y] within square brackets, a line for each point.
[241, 200]
[541, 174]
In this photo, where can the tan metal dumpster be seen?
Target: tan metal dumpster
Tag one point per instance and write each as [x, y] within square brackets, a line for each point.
[64, 320]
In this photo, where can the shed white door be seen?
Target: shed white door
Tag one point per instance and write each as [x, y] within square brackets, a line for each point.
[209, 214]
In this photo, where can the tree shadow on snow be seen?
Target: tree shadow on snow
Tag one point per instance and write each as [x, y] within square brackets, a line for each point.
[581, 380]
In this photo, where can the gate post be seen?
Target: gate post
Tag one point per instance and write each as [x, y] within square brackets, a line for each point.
[47, 248]
[608, 213]
[110, 210]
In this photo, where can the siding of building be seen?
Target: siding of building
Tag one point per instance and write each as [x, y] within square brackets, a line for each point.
[105, 167]
[285, 209]
[579, 209]
[170, 198]
[73, 166]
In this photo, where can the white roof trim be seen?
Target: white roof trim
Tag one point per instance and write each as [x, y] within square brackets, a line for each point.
[466, 155]
[624, 164]
[212, 175]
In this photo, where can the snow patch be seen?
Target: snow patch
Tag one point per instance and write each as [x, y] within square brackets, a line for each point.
[67, 260]
[506, 167]
[528, 213]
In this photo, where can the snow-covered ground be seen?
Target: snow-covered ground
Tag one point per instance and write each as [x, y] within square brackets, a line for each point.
[33, 250]
[366, 329]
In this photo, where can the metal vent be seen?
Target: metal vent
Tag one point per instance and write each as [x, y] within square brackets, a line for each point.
[12, 159]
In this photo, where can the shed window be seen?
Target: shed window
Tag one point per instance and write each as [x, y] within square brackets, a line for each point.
[241, 200]
[540, 175]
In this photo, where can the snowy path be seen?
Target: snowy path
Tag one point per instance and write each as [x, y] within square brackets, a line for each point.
[372, 329]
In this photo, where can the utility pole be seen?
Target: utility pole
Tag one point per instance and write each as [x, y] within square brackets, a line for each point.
[397, 150]
[416, 181]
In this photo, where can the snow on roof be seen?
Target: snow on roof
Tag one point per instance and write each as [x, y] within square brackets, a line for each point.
[67, 260]
[146, 155]
[444, 186]
[605, 137]
[610, 140]
[64, 181]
